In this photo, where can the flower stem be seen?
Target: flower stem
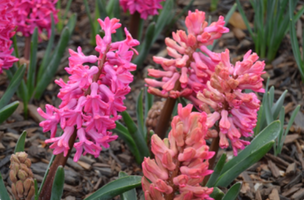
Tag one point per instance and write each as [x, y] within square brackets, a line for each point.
[165, 115]
[60, 160]
[134, 24]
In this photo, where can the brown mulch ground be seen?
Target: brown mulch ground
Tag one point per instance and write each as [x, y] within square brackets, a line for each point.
[271, 178]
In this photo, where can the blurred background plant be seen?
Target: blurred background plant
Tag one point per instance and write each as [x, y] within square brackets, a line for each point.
[271, 24]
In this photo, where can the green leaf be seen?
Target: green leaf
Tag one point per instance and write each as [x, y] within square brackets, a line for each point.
[51, 69]
[20, 143]
[116, 187]
[164, 18]
[239, 6]
[92, 25]
[124, 134]
[226, 178]
[217, 171]
[36, 190]
[291, 120]
[275, 110]
[233, 192]
[13, 86]
[129, 195]
[8, 110]
[57, 188]
[101, 6]
[137, 137]
[31, 74]
[270, 133]
[71, 24]
[110, 7]
[145, 46]
[217, 194]
[116, 12]
[3, 194]
[140, 115]
[47, 54]
[46, 173]
[149, 99]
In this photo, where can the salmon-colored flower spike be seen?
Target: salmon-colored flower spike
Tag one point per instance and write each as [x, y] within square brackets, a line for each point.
[181, 160]
[7, 30]
[235, 110]
[145, 8]
[93, 96]
[35, 13]
[190, 67]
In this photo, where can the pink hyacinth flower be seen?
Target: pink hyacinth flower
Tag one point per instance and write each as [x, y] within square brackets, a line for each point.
[145, 8]
[93, 95]
[235, 110]
[181, 160]
[188, 67]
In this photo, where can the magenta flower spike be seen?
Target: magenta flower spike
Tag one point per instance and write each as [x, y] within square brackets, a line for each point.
[93, 96]
[235, 110]
[29, 14]
[187, 66]
[145, 8]
[7, 30]
[181, 160]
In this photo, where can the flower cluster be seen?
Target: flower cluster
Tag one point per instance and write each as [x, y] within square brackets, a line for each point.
[181, 160]
[35, 13]
[93, 95]
[236, 110]
[209, 80]
[7, 30]
[188, 66]
[145, 8]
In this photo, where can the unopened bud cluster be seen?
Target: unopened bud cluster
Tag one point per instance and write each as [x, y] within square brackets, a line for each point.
[21, 176]
[181, 160]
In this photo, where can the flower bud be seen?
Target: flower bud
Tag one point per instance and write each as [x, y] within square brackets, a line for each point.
[21, 176]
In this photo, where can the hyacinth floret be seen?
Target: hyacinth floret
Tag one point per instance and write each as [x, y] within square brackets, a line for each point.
[7, 30]
[35, 13]
[181, 160]
[145, 8]
[224, 94]
[93, 95]
[189, 67]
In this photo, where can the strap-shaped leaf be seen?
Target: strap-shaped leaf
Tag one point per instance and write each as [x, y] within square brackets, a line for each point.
[71, 24]
[217, 171]
[57, 188]
[20, 143]
[31, 74]
[47, 54]
[226, 178]
[46, 173]
[217, 194]
[116, 12]
[270, 133]
[164, 18]
[137, 137]
[3, 194]
[149, 99]
[144, 48]
[140, 114]
[8, 110]
[233, 192]
[36, 190]
[124, 134]
[116, 187]
[275, 110]
[13, 86]
[51, 69]
[129, 195]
